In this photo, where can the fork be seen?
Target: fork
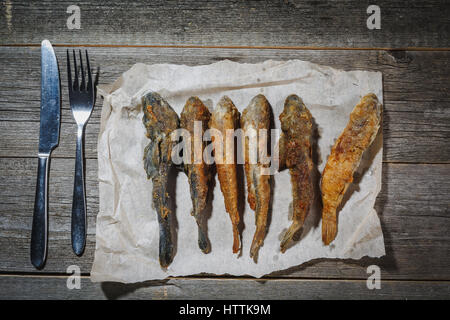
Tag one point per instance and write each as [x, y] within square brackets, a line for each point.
[81, 97]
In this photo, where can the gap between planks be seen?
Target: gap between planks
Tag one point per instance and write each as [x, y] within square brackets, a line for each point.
[225, 278]
[229, 47]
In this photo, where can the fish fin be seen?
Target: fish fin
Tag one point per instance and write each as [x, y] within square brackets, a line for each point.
[290, 211]
[151, 158]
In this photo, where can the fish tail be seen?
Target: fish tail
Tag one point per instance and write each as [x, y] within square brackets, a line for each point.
[203, 241]
[329, 228]
[161, 203]
[258, 241]
[165, 242]
[236, 239]
[289, 235]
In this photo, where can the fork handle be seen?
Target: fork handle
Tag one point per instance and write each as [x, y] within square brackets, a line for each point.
[39, 229]
[79, 199]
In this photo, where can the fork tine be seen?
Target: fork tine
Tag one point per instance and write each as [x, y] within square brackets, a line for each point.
[69, 75]
[83, 83]
[75, 83]
[89, 84]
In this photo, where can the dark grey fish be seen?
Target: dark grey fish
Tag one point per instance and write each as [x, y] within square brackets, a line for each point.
[296, 155]
[160, 120]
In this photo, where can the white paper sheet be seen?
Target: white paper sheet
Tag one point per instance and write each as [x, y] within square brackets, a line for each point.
[127, 227]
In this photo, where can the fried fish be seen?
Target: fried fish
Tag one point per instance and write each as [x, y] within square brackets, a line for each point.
[344, 159]
[195, 113]
[254, 118]
[296, 155]
[160, 120]
[226, 117]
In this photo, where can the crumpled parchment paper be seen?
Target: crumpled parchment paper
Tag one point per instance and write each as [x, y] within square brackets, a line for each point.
[127, 228]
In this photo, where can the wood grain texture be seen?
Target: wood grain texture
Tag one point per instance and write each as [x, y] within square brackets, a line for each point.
[416, 124]
[25, 287]
[415, 222]
[413, 204]
[420, 23]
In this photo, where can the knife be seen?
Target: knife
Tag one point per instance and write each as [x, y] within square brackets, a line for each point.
[48, 140]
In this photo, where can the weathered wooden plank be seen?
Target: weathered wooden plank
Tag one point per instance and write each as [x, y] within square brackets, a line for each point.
[416, 124]
[26, 287]
[413, 207]
[421, 23]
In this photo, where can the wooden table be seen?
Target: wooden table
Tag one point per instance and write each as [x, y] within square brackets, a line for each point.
[412, 50]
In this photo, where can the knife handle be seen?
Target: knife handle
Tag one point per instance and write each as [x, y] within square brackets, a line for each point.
[79, 199]
[39, 230]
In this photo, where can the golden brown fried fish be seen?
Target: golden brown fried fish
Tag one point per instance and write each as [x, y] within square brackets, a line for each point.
[160, 120]
[344, 159]
[195, 114]
[225, 118]
[254, 118]
[295, 154]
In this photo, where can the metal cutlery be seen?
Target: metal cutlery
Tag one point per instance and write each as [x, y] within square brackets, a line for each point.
[50, 116]
[81, 96]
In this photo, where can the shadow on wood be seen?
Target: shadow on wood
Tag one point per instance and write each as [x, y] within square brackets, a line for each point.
[116, 290]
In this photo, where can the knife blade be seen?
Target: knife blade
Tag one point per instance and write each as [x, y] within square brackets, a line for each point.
[48, 140]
